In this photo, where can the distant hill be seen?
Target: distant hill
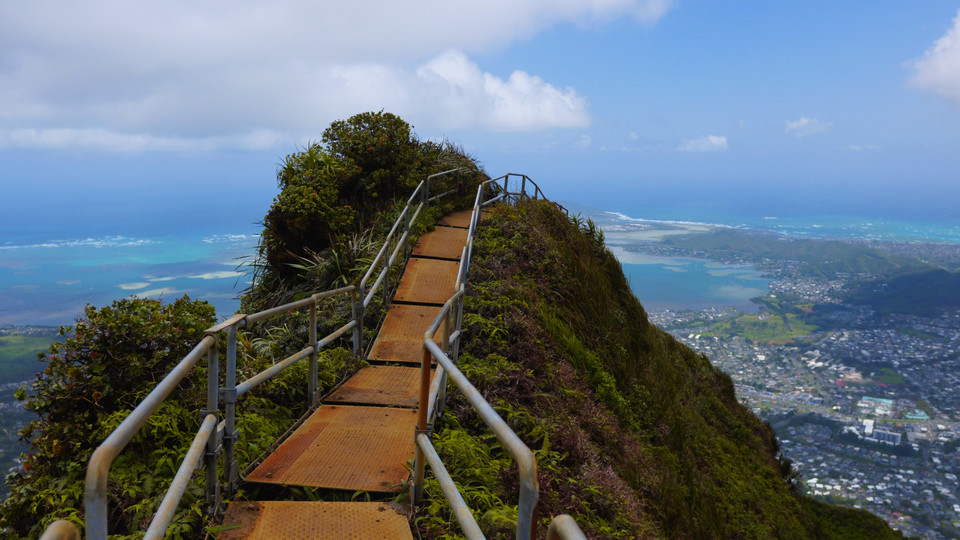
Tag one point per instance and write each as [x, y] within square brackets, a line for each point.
[926, 293]
[818, 258]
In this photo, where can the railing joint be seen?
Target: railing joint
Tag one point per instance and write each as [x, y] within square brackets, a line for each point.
[228, 395]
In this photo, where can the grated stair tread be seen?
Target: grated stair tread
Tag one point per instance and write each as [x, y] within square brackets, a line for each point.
[394, 386]
[401, 337]
[271, 520]
[427, 281]
[344, 447]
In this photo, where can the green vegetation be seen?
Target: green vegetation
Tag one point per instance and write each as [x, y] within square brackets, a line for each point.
[335, 194]
[636, 435]
[91, 382]
[764, 327]
[887, 375]
[926, 293]
[822, 258]
[18, 355]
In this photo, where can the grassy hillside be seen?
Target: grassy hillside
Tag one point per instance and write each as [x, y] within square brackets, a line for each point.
[922, 293]
[636, 435]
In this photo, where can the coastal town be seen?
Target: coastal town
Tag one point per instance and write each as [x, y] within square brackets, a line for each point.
[866, 410]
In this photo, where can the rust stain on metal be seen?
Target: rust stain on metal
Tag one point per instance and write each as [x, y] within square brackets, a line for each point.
[427, 281]
[442, 243]
[401, 336]
[345, 447]
[457, 219]
[269, 520]
[381, 385]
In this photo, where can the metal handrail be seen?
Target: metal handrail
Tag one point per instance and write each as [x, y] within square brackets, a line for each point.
[432, 394]
[564, 527]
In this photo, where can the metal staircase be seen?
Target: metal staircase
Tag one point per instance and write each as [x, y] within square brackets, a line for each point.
[362, 436]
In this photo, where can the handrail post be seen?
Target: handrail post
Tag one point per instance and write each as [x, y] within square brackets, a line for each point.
[422, 426]
[523, 187]
[213, 406]
[312, 394]
[406, 235]
[386, 275]
[357, 309]
[231, 467]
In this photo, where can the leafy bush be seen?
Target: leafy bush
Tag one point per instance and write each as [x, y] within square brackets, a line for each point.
[92, 381]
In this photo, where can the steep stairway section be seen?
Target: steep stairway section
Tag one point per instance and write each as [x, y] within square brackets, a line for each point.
[361, 437]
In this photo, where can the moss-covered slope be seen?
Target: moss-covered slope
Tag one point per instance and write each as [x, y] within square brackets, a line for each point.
[636, 435]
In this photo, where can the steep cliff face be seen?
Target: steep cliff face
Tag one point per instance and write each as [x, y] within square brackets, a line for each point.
[636, 435]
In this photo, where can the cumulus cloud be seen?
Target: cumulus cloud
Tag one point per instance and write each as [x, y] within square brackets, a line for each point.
[804, 126]
[583, 142]
[464, 96]
[155, 76]
[939, 69]
[708, 143]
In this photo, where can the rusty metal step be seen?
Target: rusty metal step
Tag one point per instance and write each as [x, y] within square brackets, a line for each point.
[427, 281]
[344, 447]
[392, 386]
[401, 336]
[273, 520]
[457, 219]
[442, 243]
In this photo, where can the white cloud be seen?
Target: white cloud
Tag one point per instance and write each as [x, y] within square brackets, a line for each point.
[156, 76]
[861, 147]
[583, 142]
[103, 139]
[133, 286]
[156, 292]
[461, 95]
[708, 143]
[804, 126]
[939, 69]
[223, 274]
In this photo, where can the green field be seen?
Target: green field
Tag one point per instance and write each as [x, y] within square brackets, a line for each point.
[766, 327]
[18, 356]
[888, 376]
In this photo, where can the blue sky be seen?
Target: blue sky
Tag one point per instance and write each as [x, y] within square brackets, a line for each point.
[115, 114]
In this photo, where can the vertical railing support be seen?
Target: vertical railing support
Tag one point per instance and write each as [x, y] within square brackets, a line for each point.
[422, 426]
[231, 468]
[312, 394]
[357, 309]
[213, 406]
[386, 273]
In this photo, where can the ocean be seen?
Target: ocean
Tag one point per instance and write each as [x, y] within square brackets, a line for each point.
[49, 272]
[48, 281]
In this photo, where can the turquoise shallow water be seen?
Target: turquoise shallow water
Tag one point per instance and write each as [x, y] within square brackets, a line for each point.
[675, 283]
[48, 282]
